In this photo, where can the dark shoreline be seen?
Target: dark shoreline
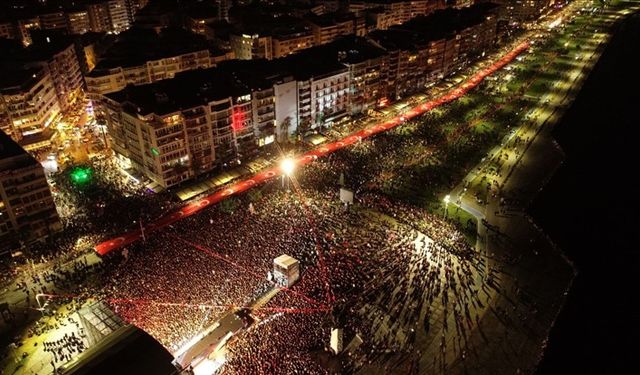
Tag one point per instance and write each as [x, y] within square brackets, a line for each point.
[587, 209]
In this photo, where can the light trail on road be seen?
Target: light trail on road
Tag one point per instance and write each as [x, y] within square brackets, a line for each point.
[192, 208]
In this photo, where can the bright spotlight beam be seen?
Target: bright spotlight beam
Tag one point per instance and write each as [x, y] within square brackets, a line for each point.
[288, 166]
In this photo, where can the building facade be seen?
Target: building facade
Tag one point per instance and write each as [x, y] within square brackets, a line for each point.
[254, 46]
[64, 68]
[27, 211]
[286, 44]
[119, 15]
[28, 103]
[174, 130]
[99, 18]
[78, 21]
[108, 80]
[329, 27]
[53, 20]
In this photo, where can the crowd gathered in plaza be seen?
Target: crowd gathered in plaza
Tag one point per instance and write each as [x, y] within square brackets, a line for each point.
[383, 270]
[183, 278]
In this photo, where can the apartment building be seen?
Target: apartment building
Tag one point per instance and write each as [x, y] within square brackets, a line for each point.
[197, 17]
[53, 20]
[386, 13]
[27, 211]
[176, 129]
[7, 30]
[56, 53]
[99, 18]
[40, 82]
[119, 15]
[329, 27]
[427, 48]
[28, 106]
[59, 56]
[251, 46]
[24, 26]
[526, 10]
[142, 56]
[368, 67]
[78, 21]
[286, 43]
[323, 92]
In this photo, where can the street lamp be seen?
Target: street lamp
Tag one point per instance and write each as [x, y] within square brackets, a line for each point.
[287, 166]
[447, 199]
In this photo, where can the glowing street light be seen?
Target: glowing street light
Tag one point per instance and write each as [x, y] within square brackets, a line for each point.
[447, 199]
[288, 166]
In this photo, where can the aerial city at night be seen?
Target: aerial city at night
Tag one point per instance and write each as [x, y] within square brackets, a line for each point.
[312, 187]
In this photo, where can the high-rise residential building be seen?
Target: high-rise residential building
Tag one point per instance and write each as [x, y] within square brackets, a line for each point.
[178, 128]
[53, 20]
[427, 48]
[251, 46]
[526, 10]
[40, 82]
[57, 53]
[7, 30]
[270, 44]
[28, 106]
[119, 15]
[175, 129]
[133, 6]
[144, 56]
[99, 18]
[386, 13]
[328, 27]
[25, 25]
[27, 211]
[368, 66]
[78, 21]
[286, 43]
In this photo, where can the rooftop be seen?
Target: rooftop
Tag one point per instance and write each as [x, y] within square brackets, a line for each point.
[10, 149]
[394, 39]
[137, 46]
[203, 11]
[239, 77]
[330, 19]
[443, 22]
[311, 62]
[127, 351]
[332, 56]
[46, 44]
[257, 74]
[277, 26]
[435, 26]
[13, 81]
[285, 261]
[353, 50]
[186, 90]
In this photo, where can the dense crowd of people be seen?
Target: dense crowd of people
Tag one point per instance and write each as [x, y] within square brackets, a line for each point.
[383, 270]
[184, 278]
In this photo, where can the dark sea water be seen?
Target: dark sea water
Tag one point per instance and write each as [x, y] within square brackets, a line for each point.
[590, 208]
